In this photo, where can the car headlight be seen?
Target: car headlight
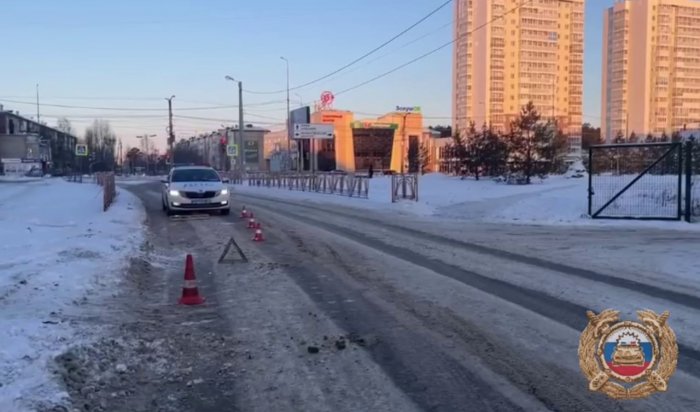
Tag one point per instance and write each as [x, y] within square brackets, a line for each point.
[224, 191]
[174, 193]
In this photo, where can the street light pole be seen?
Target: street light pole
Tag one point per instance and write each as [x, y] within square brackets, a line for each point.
[241, 127]
[171, 133]
[289, 120]
[403, 142]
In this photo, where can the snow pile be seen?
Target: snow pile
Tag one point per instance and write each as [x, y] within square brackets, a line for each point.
[19, 178]
[59, 254]
[438, 194]
[127, 180]
[555, 200]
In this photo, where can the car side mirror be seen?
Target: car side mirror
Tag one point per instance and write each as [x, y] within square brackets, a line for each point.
[164, 181]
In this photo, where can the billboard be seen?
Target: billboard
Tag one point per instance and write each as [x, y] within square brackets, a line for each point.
[297, 116]
[251, 152]
[300, 115]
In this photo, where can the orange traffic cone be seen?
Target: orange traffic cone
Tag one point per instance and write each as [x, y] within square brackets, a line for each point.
[244, 213]
[258, 237]
[251, 223]
[190, 293]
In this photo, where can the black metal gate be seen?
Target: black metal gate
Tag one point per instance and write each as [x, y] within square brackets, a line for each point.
[636, 181]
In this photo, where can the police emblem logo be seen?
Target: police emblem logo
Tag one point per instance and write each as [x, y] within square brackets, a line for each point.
[628, 360]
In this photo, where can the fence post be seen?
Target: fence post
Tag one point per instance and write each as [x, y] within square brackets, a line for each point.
[590, 181]
[415, 190]
[688, 179]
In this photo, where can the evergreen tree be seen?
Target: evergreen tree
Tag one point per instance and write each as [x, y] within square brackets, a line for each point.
[522, 143]
[619, 137]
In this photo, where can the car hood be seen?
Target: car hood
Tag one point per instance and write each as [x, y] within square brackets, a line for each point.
[196, 186]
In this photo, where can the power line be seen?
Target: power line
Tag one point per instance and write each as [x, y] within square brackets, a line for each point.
[143, 109]
[389, 53]
[423, 56]
[105, 116]
[218, 119]
[426, 17]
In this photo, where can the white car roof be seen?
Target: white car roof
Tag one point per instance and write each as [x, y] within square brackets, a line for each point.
[193, 168]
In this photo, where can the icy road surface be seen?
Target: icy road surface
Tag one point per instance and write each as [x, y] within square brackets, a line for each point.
[350, 310]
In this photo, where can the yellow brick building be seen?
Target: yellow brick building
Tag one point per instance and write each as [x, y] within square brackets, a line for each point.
[385, 142]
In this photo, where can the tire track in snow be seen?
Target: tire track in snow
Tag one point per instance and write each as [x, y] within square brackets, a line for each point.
[684, 299]
[559, 310]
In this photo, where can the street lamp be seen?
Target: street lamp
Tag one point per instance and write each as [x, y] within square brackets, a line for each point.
[289, 124]
[240, 125]
[171, 134]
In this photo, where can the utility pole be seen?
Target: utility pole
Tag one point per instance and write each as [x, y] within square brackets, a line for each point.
[241, 127]
[289, 120]
[403, 142]
[171, 133]
[38, 118]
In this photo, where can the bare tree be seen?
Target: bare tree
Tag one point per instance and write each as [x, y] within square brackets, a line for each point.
[101, 141]
[424, 157]
[64, 125]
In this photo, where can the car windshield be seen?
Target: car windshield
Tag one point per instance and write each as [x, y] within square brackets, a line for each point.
[195, 175]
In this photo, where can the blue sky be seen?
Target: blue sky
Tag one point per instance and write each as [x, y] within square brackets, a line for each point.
[132, 54]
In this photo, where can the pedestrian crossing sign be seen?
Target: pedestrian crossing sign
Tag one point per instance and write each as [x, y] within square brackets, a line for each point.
[81, 150]
[232, 150]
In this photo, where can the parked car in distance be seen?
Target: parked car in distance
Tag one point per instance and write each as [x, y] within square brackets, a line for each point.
[195, 188]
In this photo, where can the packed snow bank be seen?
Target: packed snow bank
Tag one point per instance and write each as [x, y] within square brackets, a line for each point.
[19, 178]
[555, 200]
[437, 193]
[59, 254]
[138, 179]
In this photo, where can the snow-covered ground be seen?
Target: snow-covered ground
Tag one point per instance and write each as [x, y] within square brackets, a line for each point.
[59, 254]
[19, 178]
[554, 200]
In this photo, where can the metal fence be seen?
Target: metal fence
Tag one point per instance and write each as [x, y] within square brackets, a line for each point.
[75, 177]
[692, 184]
[328, 183]
[643, 181]
[234, 177]
[404, 187]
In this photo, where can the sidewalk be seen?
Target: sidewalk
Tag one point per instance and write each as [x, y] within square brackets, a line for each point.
[60, 254]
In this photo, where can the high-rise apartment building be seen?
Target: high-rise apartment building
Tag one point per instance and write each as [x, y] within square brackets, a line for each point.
[509, 52]
[651, 67]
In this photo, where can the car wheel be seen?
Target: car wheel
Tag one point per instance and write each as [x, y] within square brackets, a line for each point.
[225, 212]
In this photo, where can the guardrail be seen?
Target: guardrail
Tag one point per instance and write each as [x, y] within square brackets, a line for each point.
[75, 177]
[235, 178]
[109, 192]
[327, 183]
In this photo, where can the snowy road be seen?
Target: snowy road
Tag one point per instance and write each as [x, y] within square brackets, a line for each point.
[406, 313]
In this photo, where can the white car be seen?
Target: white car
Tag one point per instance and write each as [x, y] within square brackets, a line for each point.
[195, 188]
